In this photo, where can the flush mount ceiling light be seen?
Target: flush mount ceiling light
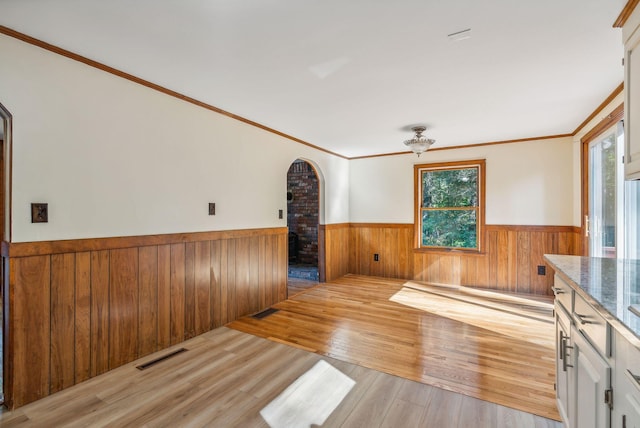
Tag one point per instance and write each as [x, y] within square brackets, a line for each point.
[419, 144]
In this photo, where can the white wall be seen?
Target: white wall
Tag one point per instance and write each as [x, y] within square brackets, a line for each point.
[113, 158]
[528, 183]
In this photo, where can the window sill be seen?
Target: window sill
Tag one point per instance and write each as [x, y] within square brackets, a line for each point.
[450, 252]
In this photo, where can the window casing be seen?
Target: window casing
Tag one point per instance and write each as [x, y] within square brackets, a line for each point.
[449, 205]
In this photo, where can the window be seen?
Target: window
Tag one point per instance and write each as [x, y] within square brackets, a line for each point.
[450, 205]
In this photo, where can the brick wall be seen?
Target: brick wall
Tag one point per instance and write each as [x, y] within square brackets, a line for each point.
[302, 211]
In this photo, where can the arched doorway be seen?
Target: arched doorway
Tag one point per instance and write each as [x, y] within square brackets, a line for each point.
[303, 217]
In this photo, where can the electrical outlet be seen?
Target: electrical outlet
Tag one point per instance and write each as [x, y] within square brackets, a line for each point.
[376, 257]
[280, 214]
[212, 208]
[542, 270]
[39, 213]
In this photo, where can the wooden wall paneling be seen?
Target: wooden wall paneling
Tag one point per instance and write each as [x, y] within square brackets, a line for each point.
[492, 256]
[322, 259]
[254, 275]
[76, 315]
[552, 247]
[523, 263]
[26, 249]
[262, 265]
[503, 253]
[469, 274]
[267, 275]
[189, 290]
[418, 269]
[512, 274]
[216, 303]
[148, 300]
[164, 296]
[83, 317]
[376, 244]
[338, 240]
[123, 306]
[388, 251]
[538, 244]
[353, 250]
[409, 240]
[404, 256]
[433, 267]
[30, 322]
[202, 287]
[177, 320]
[99, 312]
[445, 270]
[232, 304]
[342, 245]
[282, 266]
[224, 281]
[277, 275]
[8, 340]
[62, 301]
[242, 266]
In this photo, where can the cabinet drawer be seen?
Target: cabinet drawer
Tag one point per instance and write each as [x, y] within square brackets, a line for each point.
[563, 293]
[593, 325]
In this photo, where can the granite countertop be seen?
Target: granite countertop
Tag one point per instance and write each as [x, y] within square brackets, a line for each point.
[611, 286]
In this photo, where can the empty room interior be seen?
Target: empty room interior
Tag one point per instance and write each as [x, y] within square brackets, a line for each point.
[337, 214]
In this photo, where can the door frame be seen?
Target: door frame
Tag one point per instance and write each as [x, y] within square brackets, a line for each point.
[5, 239]
[614, 117]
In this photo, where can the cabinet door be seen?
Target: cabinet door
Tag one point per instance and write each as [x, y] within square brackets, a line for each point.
[593, 379]
[627, 406]
[563, 366]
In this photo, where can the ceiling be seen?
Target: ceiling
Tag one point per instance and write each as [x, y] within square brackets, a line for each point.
[353, 76]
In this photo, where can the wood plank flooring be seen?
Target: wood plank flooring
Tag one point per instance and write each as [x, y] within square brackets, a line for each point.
[298, 285]
[480, 351]
[226, 377]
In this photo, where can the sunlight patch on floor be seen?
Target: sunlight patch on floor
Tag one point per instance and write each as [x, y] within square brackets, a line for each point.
[508, 324]
[310, 399]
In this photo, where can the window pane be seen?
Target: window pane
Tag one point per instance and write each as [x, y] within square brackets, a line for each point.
[450, 188]
[449, 228]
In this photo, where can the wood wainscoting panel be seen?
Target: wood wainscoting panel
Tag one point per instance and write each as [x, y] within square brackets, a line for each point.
[30, 320]
[123, 306]
[337, 249]
[63, 305]
[510, 260]
[76, 314]
[392, 242]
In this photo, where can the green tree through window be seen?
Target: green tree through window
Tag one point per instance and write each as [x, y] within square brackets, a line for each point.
[449, 211]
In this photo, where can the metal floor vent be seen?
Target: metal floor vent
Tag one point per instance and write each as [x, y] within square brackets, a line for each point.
[161, 359]
[265, 313]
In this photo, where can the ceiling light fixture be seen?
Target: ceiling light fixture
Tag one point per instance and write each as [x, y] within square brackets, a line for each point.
[419, 144]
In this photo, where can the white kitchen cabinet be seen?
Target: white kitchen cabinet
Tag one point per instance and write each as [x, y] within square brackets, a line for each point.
[626, 411]
[583, 363]
[564, 368]
[631, 38]
[592, 384]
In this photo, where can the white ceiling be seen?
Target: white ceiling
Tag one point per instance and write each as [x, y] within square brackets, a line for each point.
[352, 76]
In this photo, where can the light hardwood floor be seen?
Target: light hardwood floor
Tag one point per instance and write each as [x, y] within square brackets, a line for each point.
[496, 348]
[298, 285]
[226, 377]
